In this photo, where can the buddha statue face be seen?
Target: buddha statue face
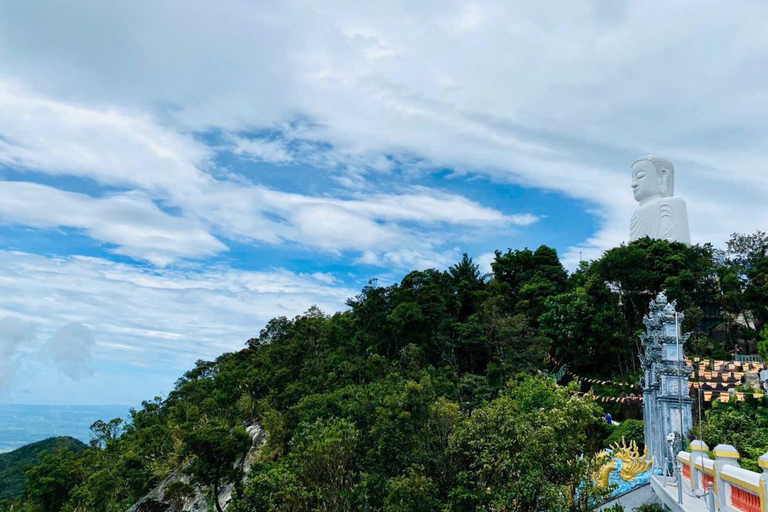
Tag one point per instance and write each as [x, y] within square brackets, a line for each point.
[650, 180]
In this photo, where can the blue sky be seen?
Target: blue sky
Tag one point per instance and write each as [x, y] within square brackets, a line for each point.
[174, 174]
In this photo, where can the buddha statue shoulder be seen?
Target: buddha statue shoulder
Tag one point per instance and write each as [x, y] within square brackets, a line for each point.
[659, 215]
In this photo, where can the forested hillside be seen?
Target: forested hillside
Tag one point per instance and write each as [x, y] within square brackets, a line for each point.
[429, 394]
[13, 464]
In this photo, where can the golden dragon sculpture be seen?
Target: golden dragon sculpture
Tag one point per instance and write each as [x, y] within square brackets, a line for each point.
[633, 462]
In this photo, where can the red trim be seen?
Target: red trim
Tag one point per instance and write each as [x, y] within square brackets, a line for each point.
[745, 500]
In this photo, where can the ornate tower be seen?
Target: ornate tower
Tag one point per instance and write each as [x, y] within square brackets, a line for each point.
[666, 406]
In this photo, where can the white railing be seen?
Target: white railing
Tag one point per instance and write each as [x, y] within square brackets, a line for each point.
[736, 489]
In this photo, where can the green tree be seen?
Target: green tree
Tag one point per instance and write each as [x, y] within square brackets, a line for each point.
[215, 448]
[104, 432]
[741, 424]
[520, 451]
[49, 484]
[526, 278]
[324, 459]
[411, 492]
[637, 272]
[748, 257]
[588, 332]
[762, 346]
[177, 493]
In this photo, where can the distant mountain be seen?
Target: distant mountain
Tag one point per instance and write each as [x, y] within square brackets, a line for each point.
[13, 463]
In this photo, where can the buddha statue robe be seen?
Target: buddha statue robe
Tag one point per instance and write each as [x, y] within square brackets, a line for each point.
[664, 218]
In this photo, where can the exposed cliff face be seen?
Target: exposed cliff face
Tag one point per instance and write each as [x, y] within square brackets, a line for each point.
[156, 500]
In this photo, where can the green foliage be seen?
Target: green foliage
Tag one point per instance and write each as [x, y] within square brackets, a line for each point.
[13, 464]
[642, 269]
[411, 492]
[762, 346]
[324, 457]
[214, 448]
[177, 493]
[628, 430]
[104, 432]
[741, 424]
[520, 451]
[650, 507]
[592, 318]
[423, 395]
[50, 483]
[703, 346]
[748, 264]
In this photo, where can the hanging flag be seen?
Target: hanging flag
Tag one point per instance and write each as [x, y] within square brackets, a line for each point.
[724, 397]
[707, 396]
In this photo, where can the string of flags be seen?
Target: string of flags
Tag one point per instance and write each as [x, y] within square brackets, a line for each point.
[622, 399]
[708, 397]
[698, 379]
[601, 382]
[712, 385]
[717, 365]
[725, 397]
[708, 394]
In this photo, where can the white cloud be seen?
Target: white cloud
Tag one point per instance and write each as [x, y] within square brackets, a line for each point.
[164, 319]
[261, 150]
[14, 333]
[70, 349]
[484, 261]
[558, 96]
[154, 165]
[427, 206]
[110, 146]
[130, 221]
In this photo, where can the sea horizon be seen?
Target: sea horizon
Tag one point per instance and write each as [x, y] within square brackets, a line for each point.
[22, 424]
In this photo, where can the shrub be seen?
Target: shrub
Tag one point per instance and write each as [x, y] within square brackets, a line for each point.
[629, 430]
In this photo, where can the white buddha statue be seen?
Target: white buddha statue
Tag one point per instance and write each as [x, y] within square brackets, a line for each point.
[660, 215]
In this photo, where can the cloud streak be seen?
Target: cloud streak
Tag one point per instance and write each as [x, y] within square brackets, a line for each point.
[130, 221]
[151, 167]
[164, 318]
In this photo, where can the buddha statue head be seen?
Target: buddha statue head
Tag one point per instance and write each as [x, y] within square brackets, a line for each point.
[652, 177]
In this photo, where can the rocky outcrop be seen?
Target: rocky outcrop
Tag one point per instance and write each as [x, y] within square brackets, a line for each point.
[156, 501]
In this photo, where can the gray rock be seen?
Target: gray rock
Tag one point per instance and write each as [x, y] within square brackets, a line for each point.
[155, 500]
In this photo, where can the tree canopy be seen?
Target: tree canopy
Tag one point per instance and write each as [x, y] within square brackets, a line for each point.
[427, 394]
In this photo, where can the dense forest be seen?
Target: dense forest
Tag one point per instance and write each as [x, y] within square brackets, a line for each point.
[429, 394]
[13, 464]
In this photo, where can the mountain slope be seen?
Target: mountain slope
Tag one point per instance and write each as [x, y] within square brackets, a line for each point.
[13, 463]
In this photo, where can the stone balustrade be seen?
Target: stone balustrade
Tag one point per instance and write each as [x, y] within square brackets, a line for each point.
[736, 489]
